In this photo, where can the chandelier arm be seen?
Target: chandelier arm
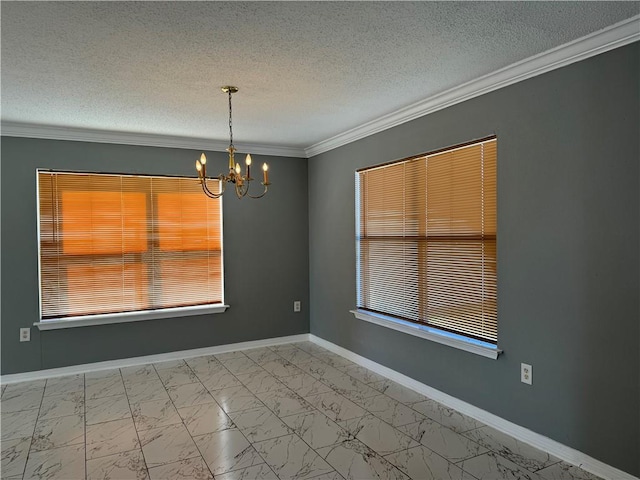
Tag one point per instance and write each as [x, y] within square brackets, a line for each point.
[208, 192]
[266, 187]
[205, 188]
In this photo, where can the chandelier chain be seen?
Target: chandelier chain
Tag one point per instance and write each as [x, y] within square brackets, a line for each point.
[230, 123]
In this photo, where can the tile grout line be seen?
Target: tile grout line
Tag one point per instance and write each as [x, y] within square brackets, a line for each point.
[520, 467]
[499, 453]
[185, 425]
[551, 465]
[134, 422]
[35, 425]
[84, 398]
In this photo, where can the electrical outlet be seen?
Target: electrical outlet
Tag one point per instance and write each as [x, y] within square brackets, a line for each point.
[526, 374]
[296, 306]
[25, 334]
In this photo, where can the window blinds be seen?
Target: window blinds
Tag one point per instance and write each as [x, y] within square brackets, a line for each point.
[426, 240]
[123, 243]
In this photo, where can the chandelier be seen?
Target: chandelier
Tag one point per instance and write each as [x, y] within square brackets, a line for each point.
[241, 182]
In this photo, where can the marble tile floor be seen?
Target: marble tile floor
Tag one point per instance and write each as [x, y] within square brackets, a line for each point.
[292, 411]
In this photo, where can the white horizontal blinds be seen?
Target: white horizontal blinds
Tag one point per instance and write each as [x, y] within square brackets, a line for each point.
[49, 246]
[490, 225]
[427, 245]
[387, 241]
[187, 244]
[93, 235]
[461, 237]
[101, 244]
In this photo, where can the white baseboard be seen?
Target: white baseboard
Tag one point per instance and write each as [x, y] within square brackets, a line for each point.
[525, 435]
[162, 357]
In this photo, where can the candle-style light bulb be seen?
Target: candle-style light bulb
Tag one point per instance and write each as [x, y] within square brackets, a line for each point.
[248, 162]
[265, 171]
[198, 166]
[202, 171]
[238, 168]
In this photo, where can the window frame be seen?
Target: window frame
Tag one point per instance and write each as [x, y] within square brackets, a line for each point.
[426, 331]
[82, 320]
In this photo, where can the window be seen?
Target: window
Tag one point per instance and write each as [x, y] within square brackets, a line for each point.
[111, 244]
[426, 240]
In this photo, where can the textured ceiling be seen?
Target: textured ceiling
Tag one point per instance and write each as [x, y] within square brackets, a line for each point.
[306, 70]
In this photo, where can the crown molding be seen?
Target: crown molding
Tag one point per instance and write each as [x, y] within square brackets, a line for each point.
[615, 36]
[51, 132]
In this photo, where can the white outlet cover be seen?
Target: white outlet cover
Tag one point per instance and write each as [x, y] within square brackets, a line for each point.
[526, 374]
[25, 334]
[296, 306]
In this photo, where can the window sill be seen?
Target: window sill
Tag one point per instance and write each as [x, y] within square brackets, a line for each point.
[439, 336]
[106, 319]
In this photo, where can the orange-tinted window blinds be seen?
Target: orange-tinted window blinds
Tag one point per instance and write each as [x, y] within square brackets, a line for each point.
[426, 240]
[123, 243]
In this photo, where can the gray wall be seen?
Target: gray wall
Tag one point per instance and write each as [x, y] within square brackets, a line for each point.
[568, 264]
[265, 254]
